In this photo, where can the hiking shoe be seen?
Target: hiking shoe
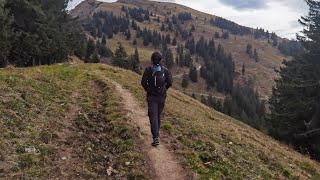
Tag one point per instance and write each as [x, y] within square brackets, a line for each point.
[156, 142]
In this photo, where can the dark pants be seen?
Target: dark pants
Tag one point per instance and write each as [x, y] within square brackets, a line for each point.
[155, 108]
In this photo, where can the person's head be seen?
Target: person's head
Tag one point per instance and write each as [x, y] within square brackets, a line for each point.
[156, 58]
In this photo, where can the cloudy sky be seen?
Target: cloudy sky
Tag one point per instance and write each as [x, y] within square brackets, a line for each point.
[280, 16]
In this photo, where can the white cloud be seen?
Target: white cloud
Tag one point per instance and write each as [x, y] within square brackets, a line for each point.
[279, 16]
[245, 5]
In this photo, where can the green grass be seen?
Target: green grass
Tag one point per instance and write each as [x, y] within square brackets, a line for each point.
[216, 146]
[33, 104]
[36, 100]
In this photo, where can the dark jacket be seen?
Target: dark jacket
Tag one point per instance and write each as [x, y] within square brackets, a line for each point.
[147, 75]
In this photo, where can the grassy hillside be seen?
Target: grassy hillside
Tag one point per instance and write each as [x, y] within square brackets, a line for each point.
[262, 72]
[215, 145]
[67, 118]
[60, 122]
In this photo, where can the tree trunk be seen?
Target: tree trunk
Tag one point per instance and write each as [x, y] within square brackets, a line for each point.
[3, 61]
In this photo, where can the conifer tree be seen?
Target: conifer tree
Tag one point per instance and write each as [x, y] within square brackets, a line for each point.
[95, 57]
[135, 60]
[249, 50]
[45, 33]
[174, 41]
[193, 74]
[162, 27]
[216, 35]
[185, 81]
[204, 100]
[120, 57]
[136, 57]
[225, 35]
[295, 102]
[6, 35]
[104, 40]
[128, 34]
[256, 55]
[90, 50]
[134, 42]
[168, 58]
[243, 69]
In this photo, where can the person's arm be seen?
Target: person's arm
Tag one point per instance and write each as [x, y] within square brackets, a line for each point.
[169, 80]
[144, 80]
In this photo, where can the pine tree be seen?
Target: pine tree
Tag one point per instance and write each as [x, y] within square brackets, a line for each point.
[187, 60]
[225, 35]
[255, 55]
[174, 41]
[134, 25]
[45, 32]
[95, 57]
[216, 35]
[211, 102]
[193, 74]
[136, 59]
[185, 81]
[168, 57]
[134, 42]
[168, 39]
[128, 34]
[193, 28]
[162, 27]
[219, 105]
[90, 50]
[120, 57]
[204, 100]
[6, 35]
[295, 102]
[243, 69]
[104, 40]
[145, 40]
[249, 50]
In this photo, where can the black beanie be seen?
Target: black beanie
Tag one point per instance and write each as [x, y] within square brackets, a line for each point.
[156, 58]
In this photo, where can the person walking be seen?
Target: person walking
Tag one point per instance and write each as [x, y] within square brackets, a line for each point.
[156, 80]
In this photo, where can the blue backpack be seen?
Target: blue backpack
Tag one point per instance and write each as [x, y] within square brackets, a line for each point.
[158, 81]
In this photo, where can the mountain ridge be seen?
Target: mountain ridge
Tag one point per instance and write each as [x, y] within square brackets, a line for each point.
[263, 71]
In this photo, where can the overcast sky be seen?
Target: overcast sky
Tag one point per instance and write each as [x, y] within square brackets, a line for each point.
[280, 16]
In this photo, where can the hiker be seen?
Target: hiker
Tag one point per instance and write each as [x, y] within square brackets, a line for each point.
[156, 81]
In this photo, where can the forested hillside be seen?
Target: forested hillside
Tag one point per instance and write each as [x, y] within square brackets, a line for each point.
[187, 33]
[216, 61]
[226, 66]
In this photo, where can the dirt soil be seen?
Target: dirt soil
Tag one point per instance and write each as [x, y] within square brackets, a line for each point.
[162, 160]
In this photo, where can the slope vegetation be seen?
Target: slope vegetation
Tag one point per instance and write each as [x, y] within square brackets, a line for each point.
[263, 71]
[59, 122]
[72, 122]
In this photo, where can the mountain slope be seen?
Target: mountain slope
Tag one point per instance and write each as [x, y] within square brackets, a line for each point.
[47, 135]
[215, 145]
[263, 71]
[59, 122]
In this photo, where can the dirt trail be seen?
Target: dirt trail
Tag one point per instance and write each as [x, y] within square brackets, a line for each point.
[166, 166]
[64, 160]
